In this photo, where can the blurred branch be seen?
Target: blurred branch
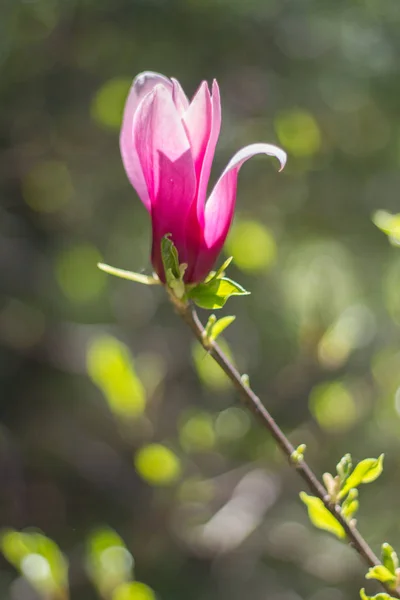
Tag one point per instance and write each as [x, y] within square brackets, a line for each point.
[253, 402]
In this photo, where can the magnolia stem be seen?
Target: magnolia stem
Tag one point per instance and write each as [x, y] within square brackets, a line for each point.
[253, 402]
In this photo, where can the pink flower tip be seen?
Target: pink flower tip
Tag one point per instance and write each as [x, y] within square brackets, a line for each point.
[167, 146]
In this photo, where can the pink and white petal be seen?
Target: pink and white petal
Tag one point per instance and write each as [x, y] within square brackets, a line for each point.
[198, 120]
[210, 150]
[142, 85]
[179, 97]
[220, 207]
[167, 165]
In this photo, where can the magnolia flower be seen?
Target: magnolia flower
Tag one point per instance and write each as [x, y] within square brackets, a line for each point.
[167, 147]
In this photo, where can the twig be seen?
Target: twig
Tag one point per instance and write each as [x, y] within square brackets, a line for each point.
[253, 402]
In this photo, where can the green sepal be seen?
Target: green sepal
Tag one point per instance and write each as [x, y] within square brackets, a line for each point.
[381, 596]
[170, 258]
[131, 275]
[366, 471]
[389, 558]
[382, 574]
[174, 272]
[214, 293]
[320, 516]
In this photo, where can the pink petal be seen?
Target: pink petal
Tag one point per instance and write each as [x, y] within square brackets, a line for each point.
[198, 121]
[196, 216]
[210, 150]
[142, 85]
[179, 97]
[166, 160]
[221, 204]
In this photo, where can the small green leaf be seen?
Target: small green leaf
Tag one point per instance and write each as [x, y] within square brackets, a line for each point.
[212, 319]
[138, 277]
[321, 517]
[297, 455]
[220, 272]
[220, 325]
[381, 596]
[350, 505]
[344, 466]
[381, 573]
[389, 558]
[365, 472]
[214, 293]
[170, 259]
[350, 509]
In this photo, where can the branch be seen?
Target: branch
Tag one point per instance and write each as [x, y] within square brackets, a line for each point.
[253, 402]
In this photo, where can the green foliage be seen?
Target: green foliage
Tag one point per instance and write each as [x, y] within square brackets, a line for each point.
[320, 516]
[350, 505]
[389, 558]
[220, 272]
[344, 467]
[214, 293]
[298, 454]
[38, 559]
[380, 596]
[174, 272]
[170, 258]
[381, 573]
[215, 327]
[347, 480]
[366, 471]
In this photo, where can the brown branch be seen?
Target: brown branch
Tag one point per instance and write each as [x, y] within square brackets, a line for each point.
[253, 402]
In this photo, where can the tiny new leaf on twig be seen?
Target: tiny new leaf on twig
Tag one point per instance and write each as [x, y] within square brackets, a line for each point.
[366, 471]
[389, 558]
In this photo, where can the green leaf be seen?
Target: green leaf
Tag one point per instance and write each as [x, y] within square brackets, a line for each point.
[389, 558]
[212, 319]
[138, 277]
[320, 516]
[214, 293]
[381, 596]
[170, 259]
[381, 573]
[297, 455]
[365, 472]
[350, 505]
[220, 325]
[344, 466]
[220, 272]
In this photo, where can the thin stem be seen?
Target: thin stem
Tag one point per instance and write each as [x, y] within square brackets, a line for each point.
[254, 403]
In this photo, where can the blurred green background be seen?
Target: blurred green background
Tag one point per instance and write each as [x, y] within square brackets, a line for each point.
[119, 439]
